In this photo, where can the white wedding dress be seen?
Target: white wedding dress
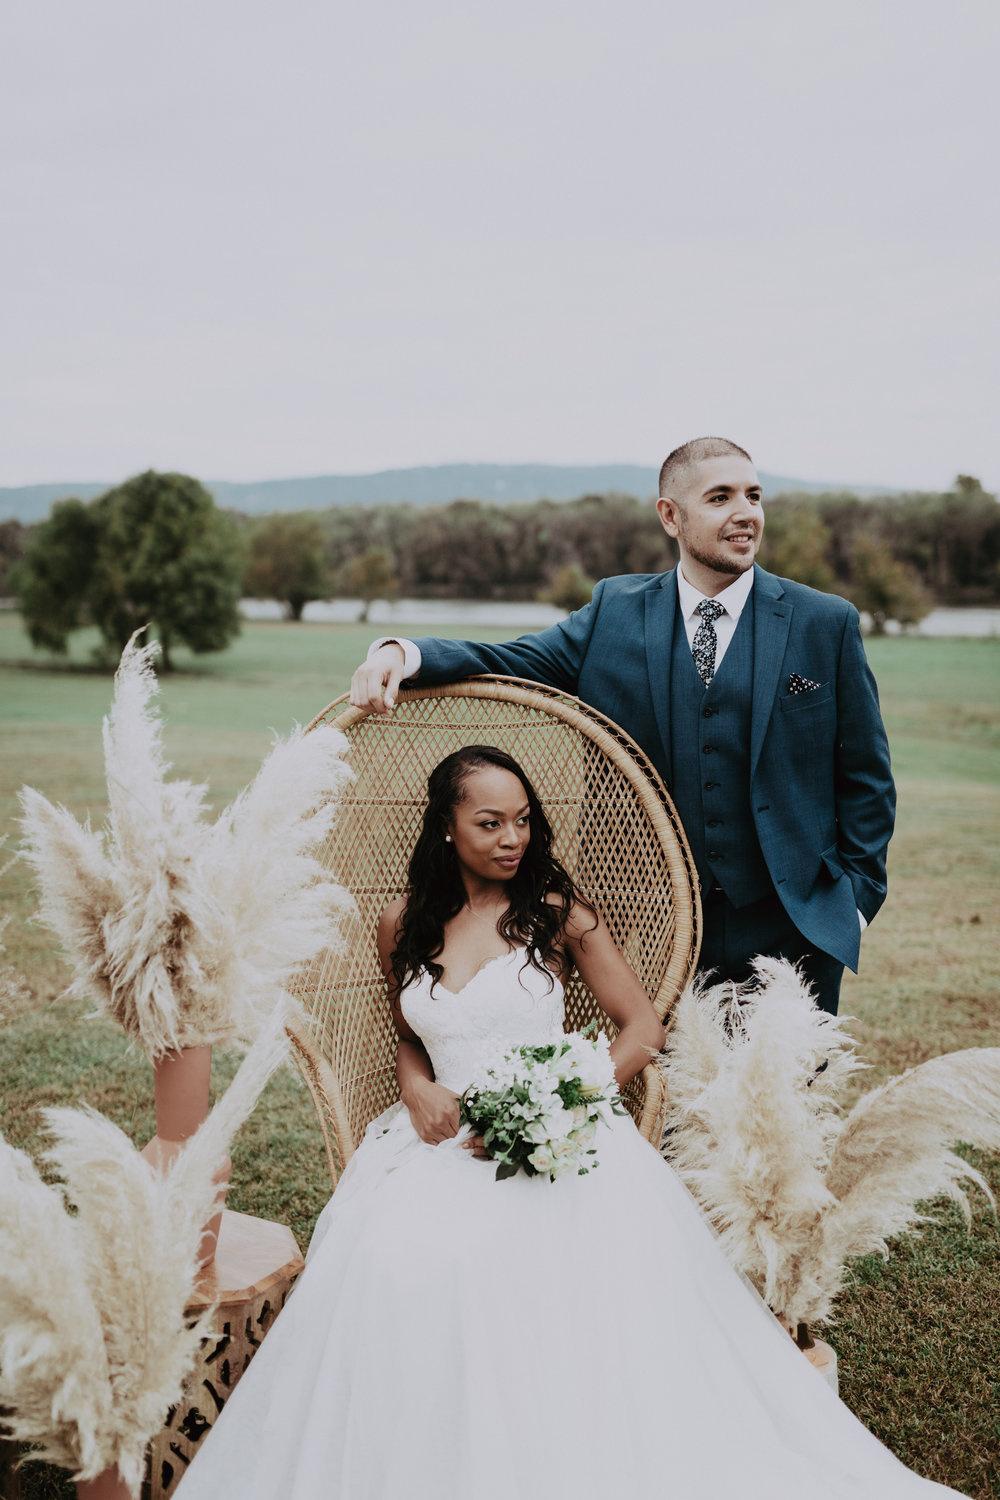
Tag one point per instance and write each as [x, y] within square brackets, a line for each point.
[457, 1338]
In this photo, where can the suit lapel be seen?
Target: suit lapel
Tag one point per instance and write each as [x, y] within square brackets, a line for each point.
[772, 616]
[661, 608]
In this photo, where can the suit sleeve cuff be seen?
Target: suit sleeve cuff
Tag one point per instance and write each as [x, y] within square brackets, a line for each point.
[411, 652]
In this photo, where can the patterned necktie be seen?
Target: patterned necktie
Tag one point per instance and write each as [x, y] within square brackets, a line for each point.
[705, 642]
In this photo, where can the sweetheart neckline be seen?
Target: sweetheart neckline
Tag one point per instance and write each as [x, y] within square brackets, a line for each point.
[517, 947]
[497, 957]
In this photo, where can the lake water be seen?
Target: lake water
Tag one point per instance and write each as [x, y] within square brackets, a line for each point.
[534, 616]
[960, 622]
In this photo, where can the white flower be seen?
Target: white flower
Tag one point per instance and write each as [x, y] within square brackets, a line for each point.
[559, 1123]
[542, 1159]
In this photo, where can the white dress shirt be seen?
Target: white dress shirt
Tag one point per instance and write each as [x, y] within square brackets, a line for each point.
[411, 653]
[733, 598]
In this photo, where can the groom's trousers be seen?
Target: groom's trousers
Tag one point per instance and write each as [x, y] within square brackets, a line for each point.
[733, 936]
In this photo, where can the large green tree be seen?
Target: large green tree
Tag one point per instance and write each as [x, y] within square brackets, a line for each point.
[286, 560]
[153, 551]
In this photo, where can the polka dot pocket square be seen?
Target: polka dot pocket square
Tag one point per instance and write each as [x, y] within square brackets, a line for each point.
[797, 684]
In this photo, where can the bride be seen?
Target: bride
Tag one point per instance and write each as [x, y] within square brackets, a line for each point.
[454, 1336]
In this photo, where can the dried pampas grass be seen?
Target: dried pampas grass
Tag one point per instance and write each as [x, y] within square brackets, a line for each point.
[794, 1187]
[94, 1342]
[187, 932]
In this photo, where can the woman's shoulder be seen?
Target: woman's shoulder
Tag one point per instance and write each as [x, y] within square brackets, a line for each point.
[391, 915]
[578, 916]
[387, 933]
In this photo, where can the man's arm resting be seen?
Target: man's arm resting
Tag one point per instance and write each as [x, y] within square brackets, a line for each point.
[553, 656]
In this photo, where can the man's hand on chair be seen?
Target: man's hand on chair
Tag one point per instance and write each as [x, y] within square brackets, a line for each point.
[375, 684]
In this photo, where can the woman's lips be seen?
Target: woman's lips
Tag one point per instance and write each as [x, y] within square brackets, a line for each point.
[510, 859]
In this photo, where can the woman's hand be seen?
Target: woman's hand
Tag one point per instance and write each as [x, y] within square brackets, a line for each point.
[433, 1110]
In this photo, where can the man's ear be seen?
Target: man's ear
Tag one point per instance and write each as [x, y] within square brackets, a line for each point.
[668, 511]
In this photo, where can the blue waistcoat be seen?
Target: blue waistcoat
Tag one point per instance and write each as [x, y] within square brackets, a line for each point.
[710, 752]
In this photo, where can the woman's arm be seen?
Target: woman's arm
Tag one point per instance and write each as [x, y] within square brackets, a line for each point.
[433, 1109]
[617, 991]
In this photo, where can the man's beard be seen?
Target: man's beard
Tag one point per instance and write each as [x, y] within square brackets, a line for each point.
[717, 561]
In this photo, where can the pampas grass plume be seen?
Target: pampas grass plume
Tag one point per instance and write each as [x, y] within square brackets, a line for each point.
[94, 1341]
[756, 1129]
[185, 932]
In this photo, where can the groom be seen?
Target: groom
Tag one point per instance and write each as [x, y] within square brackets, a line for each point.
[751, 695]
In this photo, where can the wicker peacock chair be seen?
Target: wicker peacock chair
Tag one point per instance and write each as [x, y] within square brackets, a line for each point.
[615, 830]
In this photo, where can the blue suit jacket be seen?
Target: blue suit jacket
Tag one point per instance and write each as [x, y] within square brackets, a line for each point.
[821, 786]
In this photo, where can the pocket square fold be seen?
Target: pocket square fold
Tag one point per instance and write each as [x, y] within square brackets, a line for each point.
[797, 684]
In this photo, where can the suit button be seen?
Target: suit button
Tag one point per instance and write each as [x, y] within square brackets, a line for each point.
[710, 786]
[714, 823]
[707, 749]
[714, 854]
[707, 713]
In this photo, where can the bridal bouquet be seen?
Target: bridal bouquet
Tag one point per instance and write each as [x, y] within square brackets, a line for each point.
[538, 1108]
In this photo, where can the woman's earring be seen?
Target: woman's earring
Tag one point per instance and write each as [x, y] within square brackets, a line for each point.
[447, 838]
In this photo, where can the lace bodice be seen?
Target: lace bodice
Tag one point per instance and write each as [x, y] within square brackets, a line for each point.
[507, 1003]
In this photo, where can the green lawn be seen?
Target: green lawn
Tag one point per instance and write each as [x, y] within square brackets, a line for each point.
[917, 1335]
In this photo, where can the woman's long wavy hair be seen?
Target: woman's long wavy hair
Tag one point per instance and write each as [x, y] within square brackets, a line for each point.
[435, 892]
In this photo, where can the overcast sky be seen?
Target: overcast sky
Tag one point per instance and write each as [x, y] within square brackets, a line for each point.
[249, 240]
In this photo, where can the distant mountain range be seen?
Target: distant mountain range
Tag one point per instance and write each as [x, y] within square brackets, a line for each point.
[428, 485]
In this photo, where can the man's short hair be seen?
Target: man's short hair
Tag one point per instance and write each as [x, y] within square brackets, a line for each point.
[674, 469]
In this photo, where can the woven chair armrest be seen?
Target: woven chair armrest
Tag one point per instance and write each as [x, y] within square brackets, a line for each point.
[654, 1106]
[322, 1084]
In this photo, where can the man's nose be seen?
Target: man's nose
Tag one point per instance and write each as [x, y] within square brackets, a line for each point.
[744, 509]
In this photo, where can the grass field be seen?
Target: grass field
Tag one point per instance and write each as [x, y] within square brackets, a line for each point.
[917, 1338]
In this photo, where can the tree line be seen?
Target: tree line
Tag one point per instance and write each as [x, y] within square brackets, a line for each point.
[895, 556]
[157, 548]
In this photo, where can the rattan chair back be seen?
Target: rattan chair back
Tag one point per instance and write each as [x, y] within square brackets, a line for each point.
[615, 831]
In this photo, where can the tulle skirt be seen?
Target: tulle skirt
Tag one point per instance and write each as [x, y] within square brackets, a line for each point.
[454, 1336]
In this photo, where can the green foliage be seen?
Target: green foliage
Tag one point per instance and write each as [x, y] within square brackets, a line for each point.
[570, 588]
[887, 588]
[797, 544]
[155, 550]
[286, 561]
[12, 541]
[461, 550]
[472, 550]
[370, 577]
[166, 555]
[53, 580]
[611, 534]
[950, 541]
